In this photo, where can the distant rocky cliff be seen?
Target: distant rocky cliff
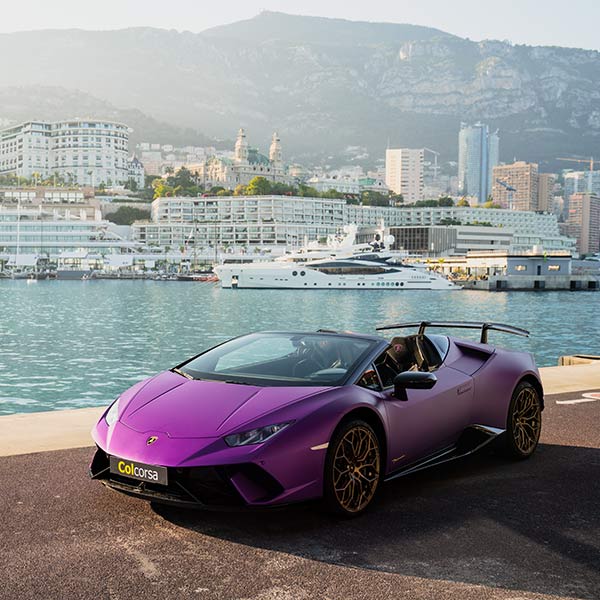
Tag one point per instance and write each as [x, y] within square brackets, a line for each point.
[325, 84]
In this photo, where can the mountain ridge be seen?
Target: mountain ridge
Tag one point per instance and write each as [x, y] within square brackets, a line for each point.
[327, 87]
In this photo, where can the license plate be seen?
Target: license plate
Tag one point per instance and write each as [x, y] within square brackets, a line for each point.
[139, 471]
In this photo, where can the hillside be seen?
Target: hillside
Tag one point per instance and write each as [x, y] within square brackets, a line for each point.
[325, 84]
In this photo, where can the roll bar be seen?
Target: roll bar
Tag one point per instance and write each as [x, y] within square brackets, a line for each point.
[485, 327]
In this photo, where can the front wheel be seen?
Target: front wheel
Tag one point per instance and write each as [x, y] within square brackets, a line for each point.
[352, 469]
[524, 422]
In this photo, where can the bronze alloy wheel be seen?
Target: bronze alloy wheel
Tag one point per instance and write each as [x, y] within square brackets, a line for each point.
[526, 420]
[356, 468]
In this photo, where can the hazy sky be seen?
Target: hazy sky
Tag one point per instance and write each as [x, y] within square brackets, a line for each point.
[552, 22]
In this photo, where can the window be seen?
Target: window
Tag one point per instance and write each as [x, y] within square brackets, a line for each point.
[521, 268]
[387, 367]
[281, 359]
[369, 379]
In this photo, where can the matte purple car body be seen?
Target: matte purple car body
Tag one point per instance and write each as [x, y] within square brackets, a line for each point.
[189, 420]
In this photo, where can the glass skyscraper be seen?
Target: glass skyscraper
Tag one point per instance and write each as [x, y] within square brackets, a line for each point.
[478, 154]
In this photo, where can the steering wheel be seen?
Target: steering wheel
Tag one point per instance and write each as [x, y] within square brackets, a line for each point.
[307, 365]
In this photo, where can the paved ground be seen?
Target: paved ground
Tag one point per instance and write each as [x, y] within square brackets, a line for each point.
[480, 528]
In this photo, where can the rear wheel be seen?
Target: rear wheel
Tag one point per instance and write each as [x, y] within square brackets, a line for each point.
[352, 469]
[524, 422]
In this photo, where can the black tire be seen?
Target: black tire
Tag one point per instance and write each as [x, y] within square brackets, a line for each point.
[351, 489]
[524, 422]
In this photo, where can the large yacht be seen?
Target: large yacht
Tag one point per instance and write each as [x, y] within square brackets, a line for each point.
[341, 264]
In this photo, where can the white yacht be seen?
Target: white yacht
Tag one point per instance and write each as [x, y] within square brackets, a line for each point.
[342, 264]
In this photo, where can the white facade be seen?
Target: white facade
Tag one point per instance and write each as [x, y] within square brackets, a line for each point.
[263, 221]
[85, 152]
[344, 185]
[404, 173]
[54, 233]
[136, 172]
[239, 221]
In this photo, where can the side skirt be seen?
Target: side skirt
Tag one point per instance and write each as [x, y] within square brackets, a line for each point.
[471, 440]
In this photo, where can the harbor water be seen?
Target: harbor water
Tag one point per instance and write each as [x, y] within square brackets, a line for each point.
[73, 344]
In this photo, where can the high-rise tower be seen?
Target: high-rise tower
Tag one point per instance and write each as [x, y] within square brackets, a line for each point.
[478, 154]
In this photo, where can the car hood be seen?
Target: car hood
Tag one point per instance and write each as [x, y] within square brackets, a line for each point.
[185, 408]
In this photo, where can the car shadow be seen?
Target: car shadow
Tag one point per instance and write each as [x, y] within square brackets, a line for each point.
[531, 525]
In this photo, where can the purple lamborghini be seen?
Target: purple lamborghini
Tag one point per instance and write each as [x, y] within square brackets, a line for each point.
[268, 419]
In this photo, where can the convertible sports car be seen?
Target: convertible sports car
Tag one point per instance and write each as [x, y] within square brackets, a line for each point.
[272, 418]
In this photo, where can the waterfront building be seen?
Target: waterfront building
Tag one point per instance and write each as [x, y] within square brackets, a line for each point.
[247, 163]
[440, 240]
[404, 173]
[478, 154]
[248, 222]
[84, 152]
[252, 222]
[31, 233]
[516, 186]
[583, 222]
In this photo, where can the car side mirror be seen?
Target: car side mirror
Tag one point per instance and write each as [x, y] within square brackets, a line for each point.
[413, 380]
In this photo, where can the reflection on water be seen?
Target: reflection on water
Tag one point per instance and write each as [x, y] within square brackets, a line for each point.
[67, 344]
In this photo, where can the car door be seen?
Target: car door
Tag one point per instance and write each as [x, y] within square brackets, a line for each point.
[424, 421]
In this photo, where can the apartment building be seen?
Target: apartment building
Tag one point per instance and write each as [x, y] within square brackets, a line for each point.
[404, 173]
[583, 222]
[516, 186]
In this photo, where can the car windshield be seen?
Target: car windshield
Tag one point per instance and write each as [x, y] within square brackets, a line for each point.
[294, 359]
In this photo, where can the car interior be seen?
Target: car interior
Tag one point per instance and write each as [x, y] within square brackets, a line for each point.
[410, 353]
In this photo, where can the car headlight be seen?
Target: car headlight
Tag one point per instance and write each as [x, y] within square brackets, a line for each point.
[255, 436]
[113, 413]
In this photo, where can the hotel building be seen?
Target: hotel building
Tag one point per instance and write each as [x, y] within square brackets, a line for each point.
[84, 152]
[266, 221]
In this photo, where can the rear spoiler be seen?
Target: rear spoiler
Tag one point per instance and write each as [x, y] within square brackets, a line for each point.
[485, 327]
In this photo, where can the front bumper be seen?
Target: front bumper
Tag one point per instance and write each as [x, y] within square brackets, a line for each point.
[214, 487]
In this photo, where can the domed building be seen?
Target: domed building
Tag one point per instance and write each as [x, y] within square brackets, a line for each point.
[247, 163]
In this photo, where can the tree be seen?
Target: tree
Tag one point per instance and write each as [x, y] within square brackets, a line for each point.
[306, 191]
[450, 221]
[490, 204]
[332, 194]
[375, 199]
[283, 189]
[463, 202]
[445, 201]
[126, 215]
[240, 190]
[162, 189]
[258, 186]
